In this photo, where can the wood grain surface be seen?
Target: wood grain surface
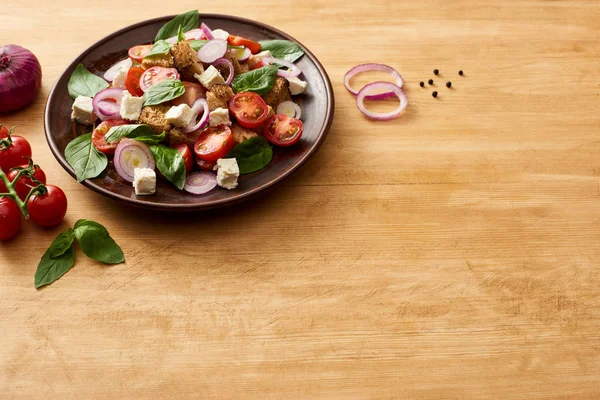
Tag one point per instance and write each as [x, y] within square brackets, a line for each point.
[449, 254]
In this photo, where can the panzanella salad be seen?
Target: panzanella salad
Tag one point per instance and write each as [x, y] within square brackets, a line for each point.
[201, 106]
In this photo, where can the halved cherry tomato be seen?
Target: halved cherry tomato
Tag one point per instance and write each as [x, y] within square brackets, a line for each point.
[282, 130]
[258, 65]
[137, 53]
[10, 218]
[3, 132]
[249, 109]
[242, 41]
[101, 130]
[23, 185]
[186, 153]
[205, 166]
[193, 91]
[154, 75]
[132, 81]
[214, 143]
[48, 209]
[15, 154]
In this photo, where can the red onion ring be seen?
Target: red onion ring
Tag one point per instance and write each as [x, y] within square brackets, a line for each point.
[200, 182]
[131, 154]
[106, 109]
[194, 34]
[114, 70]
[297, 110]
[372, 67]
[225, 61]
[212, 51]
[198, 106]
[207, 32]
[244, 55]
[295, 71]
[389, 87]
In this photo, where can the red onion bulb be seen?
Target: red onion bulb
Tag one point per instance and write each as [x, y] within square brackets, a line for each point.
[20, 77]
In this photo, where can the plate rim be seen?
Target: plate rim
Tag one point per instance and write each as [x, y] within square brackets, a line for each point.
[214, 203]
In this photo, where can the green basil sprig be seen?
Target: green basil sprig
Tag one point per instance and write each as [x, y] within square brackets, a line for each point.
[160, 47]
[252, 154]
[188, 21]
[180, 35]
[283, 49]
[170, 163]
[84, 83]
[82, 155]
[96, 243]
[259, 81]
[163, 92]
[140, 132]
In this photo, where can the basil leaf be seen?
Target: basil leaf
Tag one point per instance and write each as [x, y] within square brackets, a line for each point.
[252, 154]
[154, 139]
[160, 47]
[139, 132]
[170, 163]
[283, 49]
[50, 269]
[82, 155]
[259, 81]
[163, 91]
[96, 243]
[62, 243]
[180, 35]
[196, 44]
[188, 21]
[84, 83]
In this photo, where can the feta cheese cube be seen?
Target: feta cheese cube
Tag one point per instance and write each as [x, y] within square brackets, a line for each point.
[219, 116]
[210, 77]
[83, 111]
[180, 115]
[131, 106]
[144, 181]
[297, 86]
[227, 173]
[220, 34]
[256, 58]
[119, 81]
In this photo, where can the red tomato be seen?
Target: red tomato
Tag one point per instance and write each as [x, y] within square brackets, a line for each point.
[249, 109]
[48, 209]
[214, 143]
[186, 153]
[205, 166]
[15, 154]
[258, 65]
[154, 75]
[241, 41]
[132, 81]
[99, 133]
[23, 185]
[282, 130]
[193, 91]
[3, 132]
[10, 218]
[137, 53]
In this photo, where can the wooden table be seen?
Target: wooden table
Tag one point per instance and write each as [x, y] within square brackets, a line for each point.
[451, 253]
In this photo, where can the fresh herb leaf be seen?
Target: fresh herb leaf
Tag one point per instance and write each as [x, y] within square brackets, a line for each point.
[62, 243]
[160, 47]
[163, 91]
[170, 163]
[96, 243]
[50, 269]
[197, 44]
[84, 83]
[82, 155]
[154, 139]
[283, 49]
[180, 35]
[188, 21]
[140, 132]
[252, 154]
[259, 81]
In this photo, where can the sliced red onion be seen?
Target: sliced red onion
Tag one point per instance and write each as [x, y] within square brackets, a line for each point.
[195, 34]
[220, 34]
[372, 67]
[207, 32]
[199, 106]
[114, 70]
[131, 154]
[200, 182]
[387, 87]
[107, 103]
[224, 61]
[212, 51]
[243, 55]
[290, 109]
[293, 72]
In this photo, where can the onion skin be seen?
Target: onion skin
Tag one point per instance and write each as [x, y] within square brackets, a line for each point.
[20, 77]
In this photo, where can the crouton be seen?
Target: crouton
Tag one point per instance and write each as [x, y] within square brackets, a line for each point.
[279, 93]
[158, 60]
[154, 116]
[186, 60]
[244, 67]
[176, 136]
[218, 97]
[241, 134]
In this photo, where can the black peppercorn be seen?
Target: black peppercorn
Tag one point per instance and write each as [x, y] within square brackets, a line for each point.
[436, 71]
[430, 81]
[448, 84]
[460, 72]
[434, 94]
[422, 84]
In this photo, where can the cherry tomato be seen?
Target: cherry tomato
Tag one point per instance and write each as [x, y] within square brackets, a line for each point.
[193, 91]
[48, 209]
[3, 132]
[214, 143]
[137, 53]
[10, 218]
[258, 65]
[132, 81]
[23, 185]
[205, 166]
[282, 130]
[15, 154]
[241, 41]
[99, 133]
[186, 153]
[154, 75]
[249, 109]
